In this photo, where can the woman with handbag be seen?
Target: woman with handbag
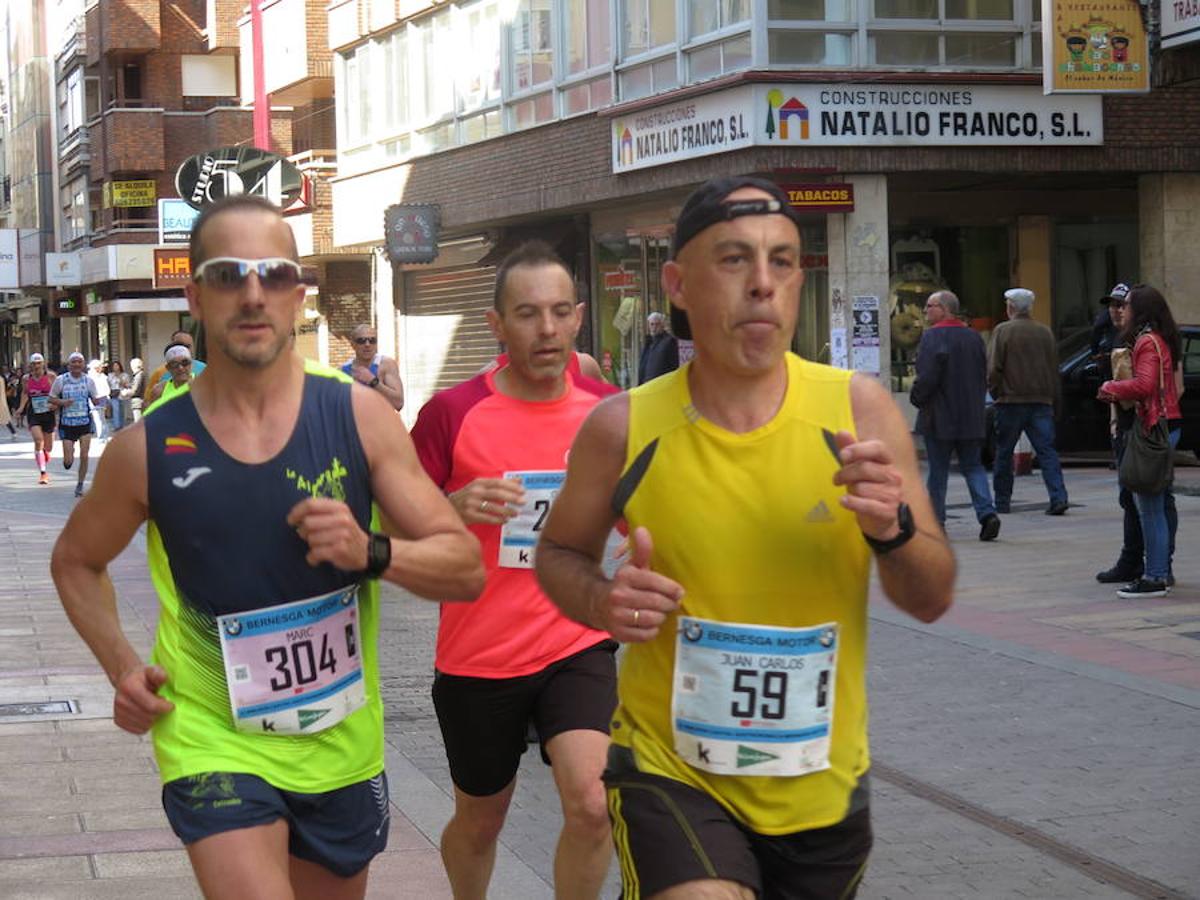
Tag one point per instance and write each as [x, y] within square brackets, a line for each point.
[1146, 465]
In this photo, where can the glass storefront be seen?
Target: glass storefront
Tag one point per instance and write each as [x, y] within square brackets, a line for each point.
[1089, 258]
[627, 289]
[971, 261]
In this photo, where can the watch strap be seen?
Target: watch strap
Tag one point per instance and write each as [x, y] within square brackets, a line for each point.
[379, 554]
[907, 531]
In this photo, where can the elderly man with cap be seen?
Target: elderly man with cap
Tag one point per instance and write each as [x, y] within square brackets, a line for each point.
[1023, 379]
[757, 487]
[74, 394]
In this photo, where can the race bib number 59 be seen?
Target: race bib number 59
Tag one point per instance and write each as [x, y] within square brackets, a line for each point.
[294, 668]
[754, 699]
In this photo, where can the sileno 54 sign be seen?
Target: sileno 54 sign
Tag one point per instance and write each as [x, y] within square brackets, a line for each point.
[824, 115]
[208, 176]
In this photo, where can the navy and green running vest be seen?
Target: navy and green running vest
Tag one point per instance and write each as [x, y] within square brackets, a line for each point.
[218, 542]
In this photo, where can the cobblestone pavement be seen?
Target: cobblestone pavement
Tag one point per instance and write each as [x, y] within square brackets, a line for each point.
[1037, 742]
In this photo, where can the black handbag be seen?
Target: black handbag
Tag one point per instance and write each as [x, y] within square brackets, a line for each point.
[1148, 466]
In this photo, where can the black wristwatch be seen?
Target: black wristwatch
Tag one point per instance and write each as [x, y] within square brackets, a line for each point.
[379, 554]
[907, 529]
[374, 382]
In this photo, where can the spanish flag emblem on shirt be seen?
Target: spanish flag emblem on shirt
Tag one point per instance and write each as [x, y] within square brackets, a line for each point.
[180, 443]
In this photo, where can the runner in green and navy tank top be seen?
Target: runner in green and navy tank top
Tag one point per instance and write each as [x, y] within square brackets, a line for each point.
[262, 483]
[194, 522]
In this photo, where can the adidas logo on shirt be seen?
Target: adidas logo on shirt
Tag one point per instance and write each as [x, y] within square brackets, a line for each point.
[819, 513]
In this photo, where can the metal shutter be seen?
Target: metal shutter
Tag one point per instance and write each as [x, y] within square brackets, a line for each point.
[446, 337]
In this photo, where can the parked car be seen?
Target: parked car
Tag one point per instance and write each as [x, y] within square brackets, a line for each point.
[1081, 421]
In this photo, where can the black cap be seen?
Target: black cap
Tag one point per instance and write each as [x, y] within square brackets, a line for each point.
[1119, 292]
[707, 206]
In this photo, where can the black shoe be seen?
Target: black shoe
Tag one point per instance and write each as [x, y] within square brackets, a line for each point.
[1118, 574]
[67, 465]
[1003, 507]
[1057, 509]
[1144, 587]
[989, 527]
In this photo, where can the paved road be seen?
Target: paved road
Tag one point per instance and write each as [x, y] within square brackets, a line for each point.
[1038, 742]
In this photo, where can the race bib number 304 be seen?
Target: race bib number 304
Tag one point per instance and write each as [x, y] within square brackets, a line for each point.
[294, 668]
[519, 535]
[754, 699]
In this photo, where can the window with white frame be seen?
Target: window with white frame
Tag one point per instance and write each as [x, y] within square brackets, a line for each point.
[646, 25]
[74, 203]
[532, 42]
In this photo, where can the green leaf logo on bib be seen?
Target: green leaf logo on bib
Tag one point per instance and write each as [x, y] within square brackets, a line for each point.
[308, 716]
[748, 756]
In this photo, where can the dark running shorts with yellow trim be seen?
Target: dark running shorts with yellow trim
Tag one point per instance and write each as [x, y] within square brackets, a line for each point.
[341, 830]
[668, 833]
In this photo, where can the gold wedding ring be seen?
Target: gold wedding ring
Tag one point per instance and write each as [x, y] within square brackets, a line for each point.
[483, 505]
[636, 614]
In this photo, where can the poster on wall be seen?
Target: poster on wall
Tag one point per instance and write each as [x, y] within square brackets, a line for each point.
[864, 340]
[838, 357]
[1094, 47]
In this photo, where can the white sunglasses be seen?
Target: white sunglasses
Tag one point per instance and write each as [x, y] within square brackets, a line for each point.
[228, 272]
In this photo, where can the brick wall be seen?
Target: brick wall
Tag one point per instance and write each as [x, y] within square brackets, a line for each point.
[345, 301]
[133, 140]
[129, 25]
[224, 31]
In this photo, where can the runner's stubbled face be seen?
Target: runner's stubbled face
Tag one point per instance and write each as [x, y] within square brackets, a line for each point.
[249, 324]
[740, 284]
[537, 322]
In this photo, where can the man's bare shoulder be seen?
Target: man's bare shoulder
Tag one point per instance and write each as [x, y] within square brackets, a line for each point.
[123, 465]
[875, 412]
[607, 426]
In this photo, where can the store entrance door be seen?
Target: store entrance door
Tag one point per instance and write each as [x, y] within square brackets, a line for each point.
[628, 288]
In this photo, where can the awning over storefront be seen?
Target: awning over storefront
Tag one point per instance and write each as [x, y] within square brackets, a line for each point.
[170, 303]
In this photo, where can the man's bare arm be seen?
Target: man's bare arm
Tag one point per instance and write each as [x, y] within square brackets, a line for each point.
[881, 469]
[433, 555]
[633, 605]
[99, 528]
[390, 384]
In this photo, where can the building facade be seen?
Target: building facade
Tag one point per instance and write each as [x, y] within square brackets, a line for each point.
[914, 135]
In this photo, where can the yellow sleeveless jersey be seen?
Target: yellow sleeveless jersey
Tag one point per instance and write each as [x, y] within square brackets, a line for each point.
[751, 526]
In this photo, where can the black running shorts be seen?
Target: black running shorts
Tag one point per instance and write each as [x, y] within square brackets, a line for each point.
[341, 830]
[668, 833]
[44, 421]
[484, 720]
[74, 432]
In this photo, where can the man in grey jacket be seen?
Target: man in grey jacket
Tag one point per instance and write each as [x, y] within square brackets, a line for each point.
[1023, 377]
[950, 392]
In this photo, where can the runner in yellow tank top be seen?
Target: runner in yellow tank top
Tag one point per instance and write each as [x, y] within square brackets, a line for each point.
[756, 486]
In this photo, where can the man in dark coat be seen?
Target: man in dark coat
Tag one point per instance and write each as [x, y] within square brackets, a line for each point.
[660, 353]
[950, 392]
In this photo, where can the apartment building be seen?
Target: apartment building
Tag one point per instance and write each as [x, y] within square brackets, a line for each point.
[914, 135]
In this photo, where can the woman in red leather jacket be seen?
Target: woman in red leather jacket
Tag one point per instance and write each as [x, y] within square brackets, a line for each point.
[1151, 328]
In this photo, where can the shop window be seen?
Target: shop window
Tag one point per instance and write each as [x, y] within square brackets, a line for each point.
[809, 48]
[971, 261]
[628, 288]
[904, 48]
[981, 50]
[1089, 258]
[646, 25]
[809, 10]
[812, 329]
